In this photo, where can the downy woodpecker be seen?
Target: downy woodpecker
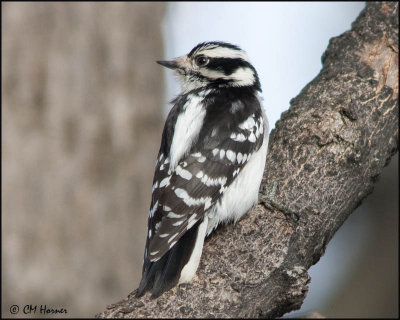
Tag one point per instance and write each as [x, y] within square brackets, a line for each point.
[210, 163]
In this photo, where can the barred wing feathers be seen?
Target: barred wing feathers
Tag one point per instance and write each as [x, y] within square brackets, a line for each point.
[182, 196]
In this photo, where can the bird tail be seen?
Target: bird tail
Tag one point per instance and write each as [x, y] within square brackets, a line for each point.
[161, 275]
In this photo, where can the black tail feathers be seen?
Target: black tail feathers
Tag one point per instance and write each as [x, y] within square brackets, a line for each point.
[161, 275]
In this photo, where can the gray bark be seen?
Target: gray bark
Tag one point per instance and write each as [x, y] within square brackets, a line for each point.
[325, 155]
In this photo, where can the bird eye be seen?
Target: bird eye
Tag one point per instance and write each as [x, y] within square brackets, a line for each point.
[201, 61]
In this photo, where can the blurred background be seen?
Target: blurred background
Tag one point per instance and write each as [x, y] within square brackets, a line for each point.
[83, 109]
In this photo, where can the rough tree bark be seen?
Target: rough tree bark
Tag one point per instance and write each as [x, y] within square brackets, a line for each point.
[325, 155]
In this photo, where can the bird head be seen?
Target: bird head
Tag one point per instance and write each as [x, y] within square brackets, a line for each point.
[214, 64]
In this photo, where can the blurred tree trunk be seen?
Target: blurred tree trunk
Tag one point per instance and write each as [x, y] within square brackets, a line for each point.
[370, 288]
[82, 119]
[325, 155]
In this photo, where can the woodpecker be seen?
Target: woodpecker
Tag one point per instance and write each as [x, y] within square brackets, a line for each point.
[210, 163]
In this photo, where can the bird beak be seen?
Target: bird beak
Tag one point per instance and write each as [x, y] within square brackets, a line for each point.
[169, 64]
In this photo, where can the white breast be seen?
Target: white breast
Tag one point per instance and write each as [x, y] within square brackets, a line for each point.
[242, 194]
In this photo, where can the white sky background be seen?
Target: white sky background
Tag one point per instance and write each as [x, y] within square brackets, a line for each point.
[284, 42]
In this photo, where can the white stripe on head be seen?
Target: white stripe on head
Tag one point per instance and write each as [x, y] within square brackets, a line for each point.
[241, 76]
[223, 52]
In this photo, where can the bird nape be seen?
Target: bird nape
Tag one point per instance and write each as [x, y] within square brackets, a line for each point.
[210, 163]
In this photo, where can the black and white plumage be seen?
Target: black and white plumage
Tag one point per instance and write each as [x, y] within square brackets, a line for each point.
[210, 163]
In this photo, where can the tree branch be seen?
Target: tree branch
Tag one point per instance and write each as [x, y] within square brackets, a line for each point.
[325, 155]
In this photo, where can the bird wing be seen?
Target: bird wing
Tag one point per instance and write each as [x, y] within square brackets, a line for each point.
[182, 195]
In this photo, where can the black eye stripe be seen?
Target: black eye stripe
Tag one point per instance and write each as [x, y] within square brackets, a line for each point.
[227, 65]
